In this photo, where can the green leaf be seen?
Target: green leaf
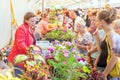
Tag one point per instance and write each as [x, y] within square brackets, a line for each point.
[20, 58]
[39, 57]
[31, 63]
[86, 69]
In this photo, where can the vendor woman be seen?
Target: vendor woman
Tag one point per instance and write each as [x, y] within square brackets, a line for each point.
[23, 38]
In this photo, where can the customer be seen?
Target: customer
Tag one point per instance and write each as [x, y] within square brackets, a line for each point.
[92, 26]
[76, 19]
[42, 26]
[116, 25]
[104, 21]
[84, 40]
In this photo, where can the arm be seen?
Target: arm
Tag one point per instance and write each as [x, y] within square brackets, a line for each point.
[113, 58]
[98, 40]
[84, 47]
[20, 40]
[92, 50]
[97, 46]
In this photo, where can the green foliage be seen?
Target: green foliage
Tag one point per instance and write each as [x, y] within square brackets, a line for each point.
[35, 66]
[61, 35]
[20, 58]
[66, 68]
[52, 16]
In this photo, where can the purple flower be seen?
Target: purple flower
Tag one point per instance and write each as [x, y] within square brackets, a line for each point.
[80, 59]
[65, 30]
[68, 44]
[56, 42]
[51, 49]
[73, 49]
[66, 53]
[69, 27]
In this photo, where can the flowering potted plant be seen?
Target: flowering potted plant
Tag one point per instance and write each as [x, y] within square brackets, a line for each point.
[67, 65]
[35, 65]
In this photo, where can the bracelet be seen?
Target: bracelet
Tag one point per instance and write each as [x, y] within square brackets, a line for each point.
[113, 49]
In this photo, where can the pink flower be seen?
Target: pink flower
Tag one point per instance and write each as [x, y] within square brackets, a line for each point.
[51, 49]
[66, 54]
[73, 50]
[64, 62]
[80, 59]
[65, 30]
[56, 42]
[69, 27]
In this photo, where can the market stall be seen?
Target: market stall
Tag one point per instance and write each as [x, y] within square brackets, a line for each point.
[61, 52]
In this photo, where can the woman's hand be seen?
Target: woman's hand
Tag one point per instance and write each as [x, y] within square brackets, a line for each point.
[104, 76]
[96, 33]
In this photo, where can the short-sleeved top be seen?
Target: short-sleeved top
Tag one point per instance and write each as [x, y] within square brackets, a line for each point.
[116, 43]
[84, 40]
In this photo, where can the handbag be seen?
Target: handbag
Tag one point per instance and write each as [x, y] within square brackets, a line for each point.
[115, 72]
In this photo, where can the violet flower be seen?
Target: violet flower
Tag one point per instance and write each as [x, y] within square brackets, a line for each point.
[66, 53]
[68, 44]
[69, 27]
[51, 49]
[65, 30]
[73, 50]
[56, 42]
[80, 59]
[63, 43]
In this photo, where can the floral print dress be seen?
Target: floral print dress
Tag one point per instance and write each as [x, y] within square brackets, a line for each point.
[84, 39]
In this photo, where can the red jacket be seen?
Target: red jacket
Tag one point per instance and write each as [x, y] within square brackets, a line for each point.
[23, 39]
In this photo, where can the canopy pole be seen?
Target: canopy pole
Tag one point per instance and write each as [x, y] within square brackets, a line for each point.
[42, 6]
[105, 2]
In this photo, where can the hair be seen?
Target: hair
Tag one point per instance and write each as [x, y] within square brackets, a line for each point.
[108, 15]
[29, 15]
[93, 13]
[38, 12]
[76, 12]
[107, 6]
[117, 23]
[44, 15]
[67, 13]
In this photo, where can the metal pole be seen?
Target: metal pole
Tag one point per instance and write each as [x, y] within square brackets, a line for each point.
[105, 2]
[42, 6]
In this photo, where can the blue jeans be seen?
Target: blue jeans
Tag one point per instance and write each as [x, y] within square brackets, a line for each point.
[17, 71]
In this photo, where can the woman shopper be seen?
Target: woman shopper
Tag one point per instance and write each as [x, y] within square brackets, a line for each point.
[104, 21]
[42, 25]
[116, 25]
[85, 39]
